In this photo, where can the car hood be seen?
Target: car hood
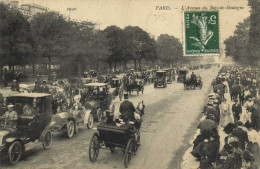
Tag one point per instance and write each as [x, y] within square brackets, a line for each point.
[3, 133]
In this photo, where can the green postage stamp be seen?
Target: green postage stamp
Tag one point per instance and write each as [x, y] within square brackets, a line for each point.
[201, 33]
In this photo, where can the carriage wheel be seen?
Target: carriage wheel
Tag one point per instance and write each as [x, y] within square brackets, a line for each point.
[93, 148]
[90, 121]
[129, 151]
[99, 114]
[15, 152]
[47, 140]
[70, 129]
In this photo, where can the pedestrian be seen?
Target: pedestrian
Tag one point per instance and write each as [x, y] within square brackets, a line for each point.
[15, 86]
[225, 115]
[37, 87]
[237, 110]
[45, 88]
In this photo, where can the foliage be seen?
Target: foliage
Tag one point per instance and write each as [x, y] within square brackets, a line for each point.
[169, 49]
[16, 42]
[236, 45]
[140, 44]
[254, 32]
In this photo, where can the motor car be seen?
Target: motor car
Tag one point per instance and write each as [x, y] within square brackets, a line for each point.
[33, 124]
[161, 79]
[98, 99]
[69, 121]
[182, 74]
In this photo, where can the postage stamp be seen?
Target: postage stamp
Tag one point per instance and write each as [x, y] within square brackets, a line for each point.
[201, 33]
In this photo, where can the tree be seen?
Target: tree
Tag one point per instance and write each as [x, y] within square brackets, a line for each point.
[115, 39]
[140, 45]
[51, 31]
[237, 45]
[16, 42]
[169, 49]
[254, 32]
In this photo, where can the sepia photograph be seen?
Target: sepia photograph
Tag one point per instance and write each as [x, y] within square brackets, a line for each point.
[138, 84]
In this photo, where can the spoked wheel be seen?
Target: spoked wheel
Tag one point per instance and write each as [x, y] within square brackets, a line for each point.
[47, 140]
[129, 151]
[15, 152]
[99, 114]
[70, 129]
[90, 121]
[93, 148]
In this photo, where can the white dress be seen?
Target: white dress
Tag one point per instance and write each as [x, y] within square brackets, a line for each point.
[225, 114]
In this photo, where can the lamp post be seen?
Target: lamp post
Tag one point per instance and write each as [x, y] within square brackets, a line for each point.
[70, 10]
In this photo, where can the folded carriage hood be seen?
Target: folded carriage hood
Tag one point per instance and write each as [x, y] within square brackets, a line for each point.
[62, 115]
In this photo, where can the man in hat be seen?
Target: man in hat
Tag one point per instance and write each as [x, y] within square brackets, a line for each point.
[10, 117]
[127, 109]
[37, 87]
[15, 86]
[237, 110]
[38, 79]
[45, 88]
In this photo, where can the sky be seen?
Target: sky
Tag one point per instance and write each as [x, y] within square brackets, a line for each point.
[143, 13]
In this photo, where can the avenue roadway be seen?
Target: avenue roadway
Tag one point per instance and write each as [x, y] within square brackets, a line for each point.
[170, 113]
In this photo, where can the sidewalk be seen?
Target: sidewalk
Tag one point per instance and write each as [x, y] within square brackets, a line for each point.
[188, 161]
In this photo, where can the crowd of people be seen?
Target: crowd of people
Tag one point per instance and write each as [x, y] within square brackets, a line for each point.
[229, 134]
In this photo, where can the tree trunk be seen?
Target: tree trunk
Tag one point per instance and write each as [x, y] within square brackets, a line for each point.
[115, 66]
[135, 62]
[33, 73]
[140, 67]
[49, 70]
[1, 72]
[125, 65]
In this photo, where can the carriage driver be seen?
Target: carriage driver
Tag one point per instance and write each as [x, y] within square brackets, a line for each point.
[127, 109]
[10, 117]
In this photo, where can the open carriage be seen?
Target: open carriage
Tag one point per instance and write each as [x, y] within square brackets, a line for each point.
[111, 136]
[125, 136]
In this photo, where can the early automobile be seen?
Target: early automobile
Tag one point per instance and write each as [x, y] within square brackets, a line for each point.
[182, 73]
[161, 79]
[68, 121]
[117, 134]
[33, 124]
[98, 99]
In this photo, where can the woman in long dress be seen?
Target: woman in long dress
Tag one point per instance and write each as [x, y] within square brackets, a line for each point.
[225, 114]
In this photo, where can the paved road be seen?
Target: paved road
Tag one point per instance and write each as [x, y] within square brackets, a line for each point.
[169, 114]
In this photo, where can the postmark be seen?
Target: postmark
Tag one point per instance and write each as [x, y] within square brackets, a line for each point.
[201, 33]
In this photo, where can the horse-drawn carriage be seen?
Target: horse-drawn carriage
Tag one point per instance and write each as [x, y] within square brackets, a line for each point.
[191, 83]
[134, 83]
[123, 135]
[161, 79]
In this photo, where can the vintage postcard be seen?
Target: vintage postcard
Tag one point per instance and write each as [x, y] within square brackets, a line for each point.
[138, 84]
